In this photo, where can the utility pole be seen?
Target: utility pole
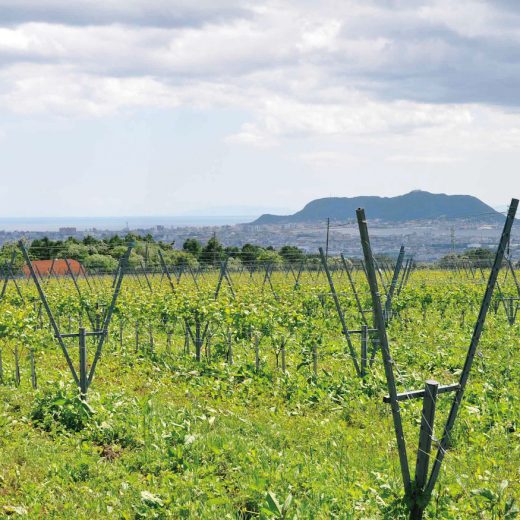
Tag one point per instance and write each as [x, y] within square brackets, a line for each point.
[214, 249]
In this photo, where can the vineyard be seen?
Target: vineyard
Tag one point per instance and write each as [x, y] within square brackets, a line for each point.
[260, 393]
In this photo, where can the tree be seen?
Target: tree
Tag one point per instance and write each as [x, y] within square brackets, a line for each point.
[90, 241]
[232, 251]
[115, 240]
[118, 251]
[250, 254]
[479, 254]
[449, 261]
[43, 249]
[179, 258]
[192, 246]
[291, 254]
[131, 237]
[477, 257]
[6, 254]
[135, 260]
[100, 263]
[212, 252]
[78, 252]
[269, 257]
[184, 259]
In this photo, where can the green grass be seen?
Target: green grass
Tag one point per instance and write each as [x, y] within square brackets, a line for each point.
[167, 437]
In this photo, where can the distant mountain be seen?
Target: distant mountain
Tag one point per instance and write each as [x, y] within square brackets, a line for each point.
[416, 205]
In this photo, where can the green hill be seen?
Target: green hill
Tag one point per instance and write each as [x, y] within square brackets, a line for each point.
[416, 205]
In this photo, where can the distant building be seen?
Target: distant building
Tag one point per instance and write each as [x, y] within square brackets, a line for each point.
[57, 267]
[69, 230]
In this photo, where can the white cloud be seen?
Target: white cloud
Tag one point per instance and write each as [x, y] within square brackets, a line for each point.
[327, 84]
[137, 12]
[429, 52]
[422, 159]
[62, 91]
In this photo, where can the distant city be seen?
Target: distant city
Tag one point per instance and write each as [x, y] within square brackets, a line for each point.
[427, 240]
[86, 224]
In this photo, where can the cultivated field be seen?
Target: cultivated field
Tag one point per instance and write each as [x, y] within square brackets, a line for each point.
[273, 421]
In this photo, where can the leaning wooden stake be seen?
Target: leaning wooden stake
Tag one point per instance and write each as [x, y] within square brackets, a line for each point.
[420, 494]
[257, 353]
[16, 366]
[344, 327]
[34, 380]
[395, 278]
[379, 322]
[230, 346]
[479, 326]
[83, 369]
[101, 334]
[425, 445]
[364, 348]
[282, 350]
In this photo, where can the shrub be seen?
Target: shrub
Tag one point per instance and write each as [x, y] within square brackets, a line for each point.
[60, 409]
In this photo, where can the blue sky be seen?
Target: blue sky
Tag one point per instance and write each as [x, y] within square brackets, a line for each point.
[165, 107]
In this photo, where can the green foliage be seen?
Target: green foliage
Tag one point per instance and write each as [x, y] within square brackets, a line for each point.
[193, 247]
[173, 438]
[101, 263]
[291, 254]
[59, 408]
[212, 253]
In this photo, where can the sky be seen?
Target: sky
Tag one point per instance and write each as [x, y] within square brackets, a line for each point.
[171, 107]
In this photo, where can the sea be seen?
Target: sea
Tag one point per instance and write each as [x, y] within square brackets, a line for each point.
[117, 223]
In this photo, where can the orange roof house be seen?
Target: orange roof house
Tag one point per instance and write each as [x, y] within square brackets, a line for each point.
[56, 267]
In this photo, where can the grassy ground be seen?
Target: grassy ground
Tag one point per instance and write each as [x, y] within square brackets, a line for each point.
[163, 436]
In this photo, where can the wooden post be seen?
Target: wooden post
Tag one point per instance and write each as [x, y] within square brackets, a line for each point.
[315, 360]
[353, 287]
[379, 321]
[34, 380]
[364, 346]
[1, 368]
[257, 353]
[340, 313]
[477, 332]
[17, 366]
[208, 346]
[230, 346]
[198, 340]
[83, 373]
[186, 338]
[425, 445]
[283, 356]
[108, 315]
[169, 343]
[120, 333]
[150, 334]
[395, 278]
[137, 336]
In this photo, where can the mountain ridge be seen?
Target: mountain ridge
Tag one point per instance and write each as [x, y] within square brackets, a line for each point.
[415, 205]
